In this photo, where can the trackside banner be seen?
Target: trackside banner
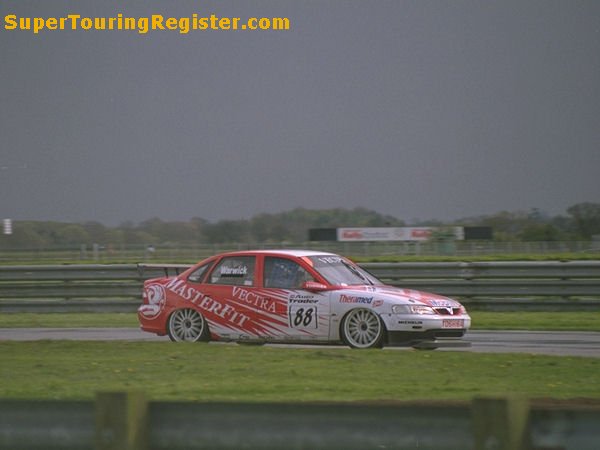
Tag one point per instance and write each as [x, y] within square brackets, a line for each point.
[396, 233]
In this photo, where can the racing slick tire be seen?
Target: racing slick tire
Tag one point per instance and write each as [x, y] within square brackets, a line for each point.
[187, 325]
[362, 328]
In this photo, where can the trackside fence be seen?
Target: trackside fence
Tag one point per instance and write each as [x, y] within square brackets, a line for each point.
[128, 421]
[195, 251]
[548, 285]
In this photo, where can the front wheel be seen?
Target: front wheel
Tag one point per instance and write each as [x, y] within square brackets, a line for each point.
[362, 328]
[187, 325]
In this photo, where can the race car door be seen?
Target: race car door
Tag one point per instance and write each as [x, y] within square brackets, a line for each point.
[251, 312]
[307, 312]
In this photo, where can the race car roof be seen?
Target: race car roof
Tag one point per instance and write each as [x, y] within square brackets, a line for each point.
[289, 252]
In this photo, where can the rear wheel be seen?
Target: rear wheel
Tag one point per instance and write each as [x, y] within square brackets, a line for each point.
[187, 325]
[362, 328]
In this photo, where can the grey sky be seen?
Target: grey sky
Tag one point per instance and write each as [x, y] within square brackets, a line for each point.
[418, 109]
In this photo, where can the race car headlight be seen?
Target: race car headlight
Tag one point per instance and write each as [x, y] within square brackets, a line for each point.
[401, 309]
[412, 309]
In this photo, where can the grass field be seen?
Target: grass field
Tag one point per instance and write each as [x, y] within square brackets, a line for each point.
[482, 320]
[229, 372]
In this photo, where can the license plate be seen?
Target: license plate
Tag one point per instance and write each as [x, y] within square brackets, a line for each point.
[453, 323]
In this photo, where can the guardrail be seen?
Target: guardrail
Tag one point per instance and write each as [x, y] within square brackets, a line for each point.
[546, 285]
[517, 284]
[127, 420]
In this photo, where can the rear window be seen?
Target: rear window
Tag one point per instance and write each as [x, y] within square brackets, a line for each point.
[234, 271]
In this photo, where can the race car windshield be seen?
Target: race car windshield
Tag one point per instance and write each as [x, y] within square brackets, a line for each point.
[341, 272]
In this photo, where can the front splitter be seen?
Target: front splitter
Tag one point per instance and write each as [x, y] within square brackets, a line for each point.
[438, 343]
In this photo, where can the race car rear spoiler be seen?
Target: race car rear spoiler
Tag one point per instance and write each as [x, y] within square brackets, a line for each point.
[143, 269]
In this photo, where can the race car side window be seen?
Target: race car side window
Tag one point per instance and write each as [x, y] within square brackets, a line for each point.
[284, 273]
[198, 275]
[234, 271]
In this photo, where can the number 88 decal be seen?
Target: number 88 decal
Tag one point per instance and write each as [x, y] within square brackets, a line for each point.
[303, 316]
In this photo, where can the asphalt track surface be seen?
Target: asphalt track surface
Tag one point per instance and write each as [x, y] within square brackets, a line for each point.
[533, 342]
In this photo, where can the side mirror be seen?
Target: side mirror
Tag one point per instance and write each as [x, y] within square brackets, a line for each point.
[314, 286]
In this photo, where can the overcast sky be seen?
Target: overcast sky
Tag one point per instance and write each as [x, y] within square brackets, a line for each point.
[418, 109]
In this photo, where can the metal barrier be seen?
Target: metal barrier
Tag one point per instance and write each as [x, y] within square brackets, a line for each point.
[499, 285]
[72, 288]
[571, 285]
[127, 420]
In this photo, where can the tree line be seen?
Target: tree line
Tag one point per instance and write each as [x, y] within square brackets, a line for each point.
[581, 222]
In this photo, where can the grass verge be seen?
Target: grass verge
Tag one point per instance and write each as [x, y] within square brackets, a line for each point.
[536, 321]
[68, 320]
[229, 372]
[482, 320]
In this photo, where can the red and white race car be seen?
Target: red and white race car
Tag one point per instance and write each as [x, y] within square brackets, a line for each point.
[296, 296]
